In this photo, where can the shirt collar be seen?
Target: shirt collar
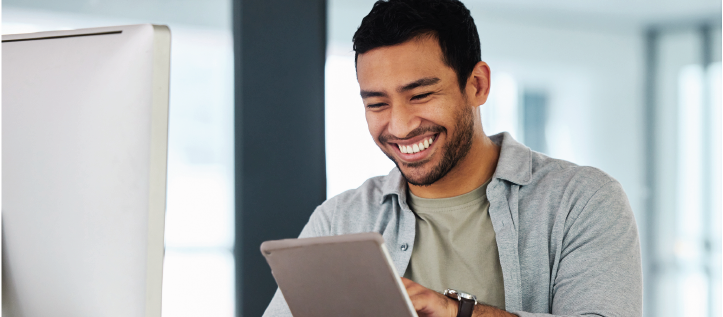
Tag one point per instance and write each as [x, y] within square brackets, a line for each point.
[515, 162]
[394, 183]
[514, 165]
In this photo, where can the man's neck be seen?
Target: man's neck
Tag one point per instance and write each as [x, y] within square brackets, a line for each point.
[471, 172]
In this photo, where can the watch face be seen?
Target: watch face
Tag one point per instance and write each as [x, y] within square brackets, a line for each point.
[459, 294]
[467, 296]
[450, 292]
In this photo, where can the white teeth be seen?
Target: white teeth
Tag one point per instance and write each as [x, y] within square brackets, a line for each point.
[415, 148]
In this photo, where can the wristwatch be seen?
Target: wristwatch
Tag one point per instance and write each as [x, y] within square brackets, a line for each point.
[466, 301]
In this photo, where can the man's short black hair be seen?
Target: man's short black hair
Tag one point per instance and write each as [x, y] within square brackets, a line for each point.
[394, 22]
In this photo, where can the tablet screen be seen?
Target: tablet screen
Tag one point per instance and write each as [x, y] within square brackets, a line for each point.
[345, 275]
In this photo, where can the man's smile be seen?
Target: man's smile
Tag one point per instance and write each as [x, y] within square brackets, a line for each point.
[415, 148]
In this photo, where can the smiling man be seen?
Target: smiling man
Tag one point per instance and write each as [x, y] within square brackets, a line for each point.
[464, 214]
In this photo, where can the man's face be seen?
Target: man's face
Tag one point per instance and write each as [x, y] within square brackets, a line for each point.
[414, 108]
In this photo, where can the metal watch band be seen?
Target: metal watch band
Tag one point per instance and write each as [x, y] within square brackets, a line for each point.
[466, 307]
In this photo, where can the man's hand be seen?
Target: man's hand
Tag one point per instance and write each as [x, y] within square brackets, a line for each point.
[429, 303]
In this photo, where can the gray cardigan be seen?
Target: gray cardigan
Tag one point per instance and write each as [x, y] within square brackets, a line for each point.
[566, 235]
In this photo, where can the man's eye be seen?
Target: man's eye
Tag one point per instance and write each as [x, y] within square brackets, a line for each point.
[422, 96]
[376, 105]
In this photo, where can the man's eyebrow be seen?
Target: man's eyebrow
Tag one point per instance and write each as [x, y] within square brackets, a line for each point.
[367, 94]
[415, 84]
[419, 83]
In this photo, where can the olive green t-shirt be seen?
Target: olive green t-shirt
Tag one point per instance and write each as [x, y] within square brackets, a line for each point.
[455, 246]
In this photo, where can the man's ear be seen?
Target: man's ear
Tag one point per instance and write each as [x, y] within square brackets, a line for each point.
[478, 83]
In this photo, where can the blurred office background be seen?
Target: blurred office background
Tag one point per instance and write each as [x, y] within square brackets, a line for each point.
[630, 87]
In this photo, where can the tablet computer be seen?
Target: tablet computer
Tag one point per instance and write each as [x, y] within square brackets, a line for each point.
[345, 275]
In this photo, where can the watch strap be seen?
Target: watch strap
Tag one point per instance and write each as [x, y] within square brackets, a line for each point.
[466, 307]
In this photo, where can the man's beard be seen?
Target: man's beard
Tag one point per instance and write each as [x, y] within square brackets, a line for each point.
[455, 150]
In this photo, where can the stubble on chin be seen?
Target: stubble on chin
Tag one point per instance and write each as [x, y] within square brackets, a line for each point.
[415, 166]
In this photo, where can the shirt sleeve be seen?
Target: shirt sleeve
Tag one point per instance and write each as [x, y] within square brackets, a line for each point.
[318, 226]
[600, 271]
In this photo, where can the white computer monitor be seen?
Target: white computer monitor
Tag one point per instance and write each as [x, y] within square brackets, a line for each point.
[84, 147]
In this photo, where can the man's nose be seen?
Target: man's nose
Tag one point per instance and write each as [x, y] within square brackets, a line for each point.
[403, 121]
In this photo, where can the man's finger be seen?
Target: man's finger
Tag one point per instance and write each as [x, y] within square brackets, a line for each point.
[407, 282]
[419, 301]
[412, 287]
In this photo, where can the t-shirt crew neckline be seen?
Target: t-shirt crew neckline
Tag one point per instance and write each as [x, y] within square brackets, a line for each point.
[435, 205]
